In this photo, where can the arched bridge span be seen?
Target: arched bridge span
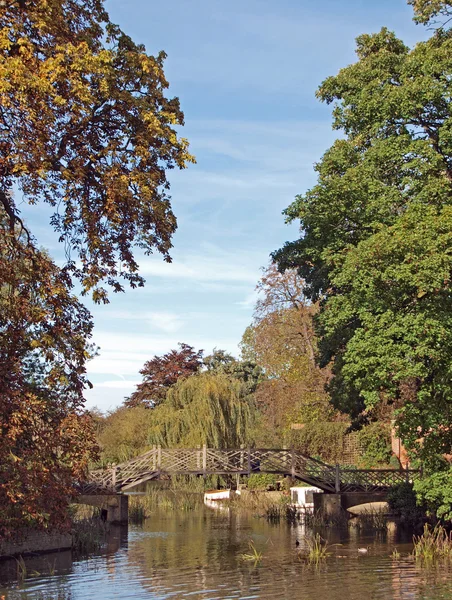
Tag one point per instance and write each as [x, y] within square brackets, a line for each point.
[163, 462]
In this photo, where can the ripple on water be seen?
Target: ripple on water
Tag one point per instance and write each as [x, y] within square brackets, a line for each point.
[197, 555]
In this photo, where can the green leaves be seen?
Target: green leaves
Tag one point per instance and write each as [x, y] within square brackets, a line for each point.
[377, 235]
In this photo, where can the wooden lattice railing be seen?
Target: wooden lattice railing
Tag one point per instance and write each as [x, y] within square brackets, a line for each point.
[207, 461]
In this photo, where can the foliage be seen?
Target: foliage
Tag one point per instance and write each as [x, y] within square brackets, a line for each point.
[435, 491]
[282, 342]
[323, 439]
[203, 409]
[246, 370]
[86, 128]
[376, 235]
[403, 503]
[88, 536]
[375, 442]
[124, 434]
[317, 547]
[262, 481]
[46, 441]
[434, 545]
[161, 372]
[253, 554]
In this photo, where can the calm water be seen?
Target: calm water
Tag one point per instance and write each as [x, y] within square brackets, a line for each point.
[197, 555]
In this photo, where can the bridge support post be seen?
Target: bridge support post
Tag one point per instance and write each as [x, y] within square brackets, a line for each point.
[337, 479]
[159, 457]
[249, 461]
[292, 462]
[204, 459]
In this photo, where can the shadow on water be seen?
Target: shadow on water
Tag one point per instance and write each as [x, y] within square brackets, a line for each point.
[200, 553]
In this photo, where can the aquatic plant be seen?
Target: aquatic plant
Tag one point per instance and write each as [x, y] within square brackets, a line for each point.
[395, 554]
[374, 520]
[317, 549]
[88, 536]
[433, 545]
[253, 554]
[21, 569]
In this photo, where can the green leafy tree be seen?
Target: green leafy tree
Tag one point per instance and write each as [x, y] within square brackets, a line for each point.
[376, 235]
[204, 409]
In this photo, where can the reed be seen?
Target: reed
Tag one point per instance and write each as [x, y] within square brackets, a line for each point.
[253, 555]
[373, 520]
[433, 545]
[88, 536]
[317, 549]
[21, 570]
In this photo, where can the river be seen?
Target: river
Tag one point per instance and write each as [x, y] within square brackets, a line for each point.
[198, 554]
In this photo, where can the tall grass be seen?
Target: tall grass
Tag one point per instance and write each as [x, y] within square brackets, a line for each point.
[253, 555]
[433, 545]
[88, 536]
[141, 507]
[317, 549]
[373, 520]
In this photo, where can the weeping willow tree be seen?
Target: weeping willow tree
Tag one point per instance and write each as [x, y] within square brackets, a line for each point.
[204, 409]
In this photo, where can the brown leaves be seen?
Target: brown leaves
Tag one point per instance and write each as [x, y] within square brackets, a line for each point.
[161, 372]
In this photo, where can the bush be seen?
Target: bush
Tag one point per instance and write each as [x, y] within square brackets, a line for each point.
[324, 439]
[375, 442]
[262, 481]
[435, 491]
[403, 503]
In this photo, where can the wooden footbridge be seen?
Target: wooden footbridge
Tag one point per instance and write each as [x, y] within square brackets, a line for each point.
[163, 463]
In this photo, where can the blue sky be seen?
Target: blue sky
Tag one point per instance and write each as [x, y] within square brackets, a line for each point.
[246, 74]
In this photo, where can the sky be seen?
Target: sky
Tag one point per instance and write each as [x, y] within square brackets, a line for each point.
[245, 72]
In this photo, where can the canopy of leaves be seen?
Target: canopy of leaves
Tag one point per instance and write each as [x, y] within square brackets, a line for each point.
[204, 409]
[86, 127]
[376, 234]
[282, 342]
[123, 434]
[161, 372]
[46, 441]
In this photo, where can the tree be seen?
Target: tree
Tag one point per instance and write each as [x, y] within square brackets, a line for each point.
[282, 342]
[204, 409]
[161, 372]
[124, 434]
[46, 440]
[85, 126]
[376, 235]
[247, 371]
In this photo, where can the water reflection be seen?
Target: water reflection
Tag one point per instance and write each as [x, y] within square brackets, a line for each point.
[197, 554]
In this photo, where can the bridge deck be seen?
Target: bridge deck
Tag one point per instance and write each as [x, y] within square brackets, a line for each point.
[160, 462]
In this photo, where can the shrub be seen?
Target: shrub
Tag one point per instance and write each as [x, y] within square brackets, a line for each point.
[262, 481]
[435, 491]
[323, 439]
[375, 443]
[403, 503]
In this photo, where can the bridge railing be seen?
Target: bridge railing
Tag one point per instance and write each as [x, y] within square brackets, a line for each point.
[204, 461]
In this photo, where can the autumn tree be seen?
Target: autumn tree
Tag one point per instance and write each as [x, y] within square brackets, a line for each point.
[282, 341]
[161, 372]
[86, 127]
[46, 440]
[377, 232]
